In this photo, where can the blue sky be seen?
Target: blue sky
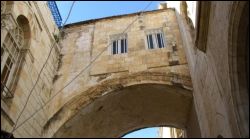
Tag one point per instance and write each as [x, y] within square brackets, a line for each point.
[85, 10]
[143, 133]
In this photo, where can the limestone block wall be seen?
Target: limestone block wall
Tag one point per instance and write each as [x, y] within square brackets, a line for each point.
[138, 58]
[42, 27]
[84, 41]
[210, 74]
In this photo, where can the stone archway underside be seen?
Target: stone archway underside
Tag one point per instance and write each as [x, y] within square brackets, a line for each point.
[130, 108]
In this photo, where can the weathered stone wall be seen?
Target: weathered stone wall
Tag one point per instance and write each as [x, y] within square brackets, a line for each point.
[127, 108]
[83, 42]
[210, 74]
[42, 27]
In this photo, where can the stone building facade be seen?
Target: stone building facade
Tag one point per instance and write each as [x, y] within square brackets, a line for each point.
[137, 67]
[159, 71]
[217, 52]
[27, 36]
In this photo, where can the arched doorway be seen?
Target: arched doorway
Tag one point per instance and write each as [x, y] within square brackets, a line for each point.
[131, 108]
[239, 63]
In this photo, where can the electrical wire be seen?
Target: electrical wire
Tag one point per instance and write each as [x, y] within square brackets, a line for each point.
[26, 102]
[141, 13]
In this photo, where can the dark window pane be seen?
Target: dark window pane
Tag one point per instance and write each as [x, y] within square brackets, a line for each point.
[159, 39]
[126, 46]
[114, 47]
[122, 46]
[117, 46]
[150, 39]
[5, 73]
[162, 40]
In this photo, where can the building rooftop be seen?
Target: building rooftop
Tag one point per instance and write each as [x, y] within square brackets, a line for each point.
[115, 16]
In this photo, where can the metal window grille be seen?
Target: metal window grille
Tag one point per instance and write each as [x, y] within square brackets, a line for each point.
[119, 44]
[155, 39]
[11, 57]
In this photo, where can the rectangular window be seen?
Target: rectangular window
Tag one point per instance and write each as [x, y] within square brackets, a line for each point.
[155, 39]
[114, 47]
[119, 46]
[126, 46]
[160, 40]
[122, 46]
[150, 42]
[5, 73]
[10, 54]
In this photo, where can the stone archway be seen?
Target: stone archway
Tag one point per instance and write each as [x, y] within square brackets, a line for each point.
[239, 64]
[128, 102]
[109, 90]
[130, 108]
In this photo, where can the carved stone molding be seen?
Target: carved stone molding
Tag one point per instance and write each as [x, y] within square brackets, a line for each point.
[3, 7]
[8, 22]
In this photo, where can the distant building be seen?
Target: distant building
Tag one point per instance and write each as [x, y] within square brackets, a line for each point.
[170, 132]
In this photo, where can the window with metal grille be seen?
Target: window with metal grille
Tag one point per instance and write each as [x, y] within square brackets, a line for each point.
[13, 50]
[155, 39]
[10, 55]
[119, 44]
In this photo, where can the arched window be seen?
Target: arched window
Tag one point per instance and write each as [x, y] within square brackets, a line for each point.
[12, 55]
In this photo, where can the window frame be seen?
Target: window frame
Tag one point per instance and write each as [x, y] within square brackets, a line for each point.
[118, 39]
[12, 52]
[153, 33]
